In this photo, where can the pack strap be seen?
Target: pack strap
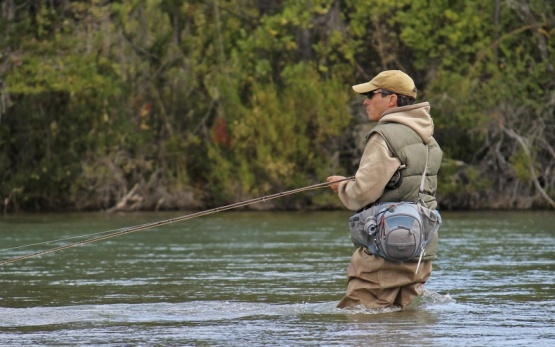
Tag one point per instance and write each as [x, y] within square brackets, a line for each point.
[421, 190]
[421, 201]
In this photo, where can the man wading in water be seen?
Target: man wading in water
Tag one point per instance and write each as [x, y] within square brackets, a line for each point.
[391, 169]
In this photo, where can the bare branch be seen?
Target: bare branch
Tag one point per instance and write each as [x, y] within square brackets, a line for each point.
[523, 143]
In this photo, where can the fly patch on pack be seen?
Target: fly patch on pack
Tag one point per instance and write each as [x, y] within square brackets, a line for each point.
[397, 231]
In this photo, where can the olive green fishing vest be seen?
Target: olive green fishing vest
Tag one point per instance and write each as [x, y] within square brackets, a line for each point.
[409, 148]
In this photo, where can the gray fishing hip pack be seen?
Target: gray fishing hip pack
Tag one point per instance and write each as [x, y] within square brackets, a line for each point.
[399, 231]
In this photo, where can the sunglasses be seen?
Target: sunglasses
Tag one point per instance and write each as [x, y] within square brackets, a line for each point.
[371, 94]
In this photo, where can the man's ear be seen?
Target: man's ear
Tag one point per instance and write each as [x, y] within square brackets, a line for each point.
[392, 101]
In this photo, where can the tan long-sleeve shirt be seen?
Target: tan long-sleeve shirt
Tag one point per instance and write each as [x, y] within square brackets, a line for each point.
[377, 165]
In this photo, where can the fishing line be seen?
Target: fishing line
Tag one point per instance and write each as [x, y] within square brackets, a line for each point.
[58, 240]
[129, 230]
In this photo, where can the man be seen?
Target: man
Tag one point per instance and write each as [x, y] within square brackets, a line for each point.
[390, 170]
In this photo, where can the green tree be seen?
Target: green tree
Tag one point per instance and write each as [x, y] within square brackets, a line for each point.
[147, 104]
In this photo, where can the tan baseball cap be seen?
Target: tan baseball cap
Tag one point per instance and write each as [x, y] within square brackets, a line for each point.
[393, 80]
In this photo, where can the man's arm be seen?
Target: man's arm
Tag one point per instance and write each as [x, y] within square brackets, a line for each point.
[377, 166]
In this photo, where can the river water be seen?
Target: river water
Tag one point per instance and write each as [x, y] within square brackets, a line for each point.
[267, 279]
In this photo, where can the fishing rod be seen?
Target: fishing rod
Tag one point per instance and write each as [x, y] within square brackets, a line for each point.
[173, 220]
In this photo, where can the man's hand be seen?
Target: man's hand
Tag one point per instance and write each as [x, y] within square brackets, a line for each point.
[335, 186]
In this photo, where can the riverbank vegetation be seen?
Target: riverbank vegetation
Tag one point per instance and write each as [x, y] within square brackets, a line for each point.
[167, 104]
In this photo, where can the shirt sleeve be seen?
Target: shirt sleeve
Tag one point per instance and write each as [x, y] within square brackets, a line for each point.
[377, 166]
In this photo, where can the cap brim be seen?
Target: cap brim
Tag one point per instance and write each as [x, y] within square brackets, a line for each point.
[364, 87]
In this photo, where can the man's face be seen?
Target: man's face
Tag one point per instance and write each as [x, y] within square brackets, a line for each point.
[377, 102]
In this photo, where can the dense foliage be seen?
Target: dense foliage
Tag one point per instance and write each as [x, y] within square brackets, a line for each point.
[164, 104]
